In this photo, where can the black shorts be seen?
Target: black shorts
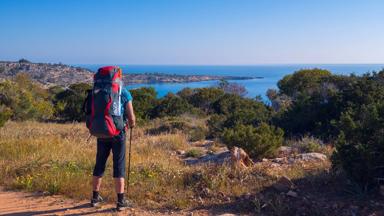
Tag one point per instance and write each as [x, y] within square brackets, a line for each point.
[104, 147]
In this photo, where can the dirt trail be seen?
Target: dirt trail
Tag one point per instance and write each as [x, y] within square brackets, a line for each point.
[19, 203]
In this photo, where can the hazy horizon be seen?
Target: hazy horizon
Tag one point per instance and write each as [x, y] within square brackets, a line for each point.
[208, 65]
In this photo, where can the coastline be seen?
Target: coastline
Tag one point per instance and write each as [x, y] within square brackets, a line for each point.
[64, 75]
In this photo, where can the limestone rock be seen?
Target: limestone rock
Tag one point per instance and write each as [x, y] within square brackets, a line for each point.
[312, 157]
[240, 158]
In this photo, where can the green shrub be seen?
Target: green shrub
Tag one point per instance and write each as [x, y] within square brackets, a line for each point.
[241, 110]
[185, 93]
[204, 98]
[308, 144]
[216, 125]
[171, 105]
[196, 133]
[144, 101]
[360, 146]
[232, 110]
[303, 81]
[25, 99]
[5, 114]
[258, 142]
[69, 103]
[194, 128]
[317, 105]
[196, 153]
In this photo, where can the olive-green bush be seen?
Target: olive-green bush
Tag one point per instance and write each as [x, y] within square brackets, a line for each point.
[144, 101]
[258, 142]
[194, 128]
[5, 114]
[69, 102]
[25, 99]
[171, 105]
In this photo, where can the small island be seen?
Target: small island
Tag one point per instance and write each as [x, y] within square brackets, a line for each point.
[64, 75]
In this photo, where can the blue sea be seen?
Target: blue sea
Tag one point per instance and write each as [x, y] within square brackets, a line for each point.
[271, 74]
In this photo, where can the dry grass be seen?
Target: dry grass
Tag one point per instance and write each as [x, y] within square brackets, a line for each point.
[58, 159]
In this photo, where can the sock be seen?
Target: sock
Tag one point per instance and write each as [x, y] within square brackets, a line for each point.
[120, 197]
[95, 194]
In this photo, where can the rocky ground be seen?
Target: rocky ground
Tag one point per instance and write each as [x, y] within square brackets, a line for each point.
[320, 193]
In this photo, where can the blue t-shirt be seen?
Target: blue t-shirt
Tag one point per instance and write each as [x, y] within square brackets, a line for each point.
[125, 98]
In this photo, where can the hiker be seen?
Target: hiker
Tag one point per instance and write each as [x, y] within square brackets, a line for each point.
[109, 111]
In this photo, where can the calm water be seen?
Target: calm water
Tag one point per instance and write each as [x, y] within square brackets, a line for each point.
[271, 73]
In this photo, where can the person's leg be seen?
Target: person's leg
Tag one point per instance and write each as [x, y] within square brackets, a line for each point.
[118, 150]
[96, 183]
[103, 151]
[119, 185]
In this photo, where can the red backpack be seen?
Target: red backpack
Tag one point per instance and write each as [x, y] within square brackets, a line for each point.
[103, 104]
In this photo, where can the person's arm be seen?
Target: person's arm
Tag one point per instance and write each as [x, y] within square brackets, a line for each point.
[130, 114]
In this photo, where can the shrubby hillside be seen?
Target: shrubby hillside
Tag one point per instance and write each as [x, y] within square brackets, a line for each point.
[311, 110]
[346, 111]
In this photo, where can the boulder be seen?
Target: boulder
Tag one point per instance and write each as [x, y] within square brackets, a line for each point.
[216, 158]
[312, 157]
[240, 158]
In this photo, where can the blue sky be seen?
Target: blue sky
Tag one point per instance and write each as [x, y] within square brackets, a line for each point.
[192, 32]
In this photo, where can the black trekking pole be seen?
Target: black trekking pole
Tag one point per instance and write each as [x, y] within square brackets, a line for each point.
[129, 157]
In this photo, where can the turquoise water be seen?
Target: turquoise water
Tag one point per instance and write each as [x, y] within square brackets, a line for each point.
[271, 74]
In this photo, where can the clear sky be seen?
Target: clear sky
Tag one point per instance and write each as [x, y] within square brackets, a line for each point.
[218, 32]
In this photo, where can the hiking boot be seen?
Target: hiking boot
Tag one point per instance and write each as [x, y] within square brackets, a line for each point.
[122, 205]
[96, 201]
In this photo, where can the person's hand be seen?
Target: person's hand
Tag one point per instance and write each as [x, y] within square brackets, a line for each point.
[131, 123]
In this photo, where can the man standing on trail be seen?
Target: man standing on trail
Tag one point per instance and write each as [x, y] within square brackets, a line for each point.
[109, 111]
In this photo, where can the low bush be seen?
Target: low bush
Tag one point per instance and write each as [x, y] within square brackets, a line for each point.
[308, 144]
[258, 142]
[193, 127]
[194, 153]
[197, 133]
[171, 105]
[21, 99]
[5, 114]
[216, 125]
[144, 100]
[69, 102]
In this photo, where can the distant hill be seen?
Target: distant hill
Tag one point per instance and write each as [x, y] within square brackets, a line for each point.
[64, 75]
[46, 74]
